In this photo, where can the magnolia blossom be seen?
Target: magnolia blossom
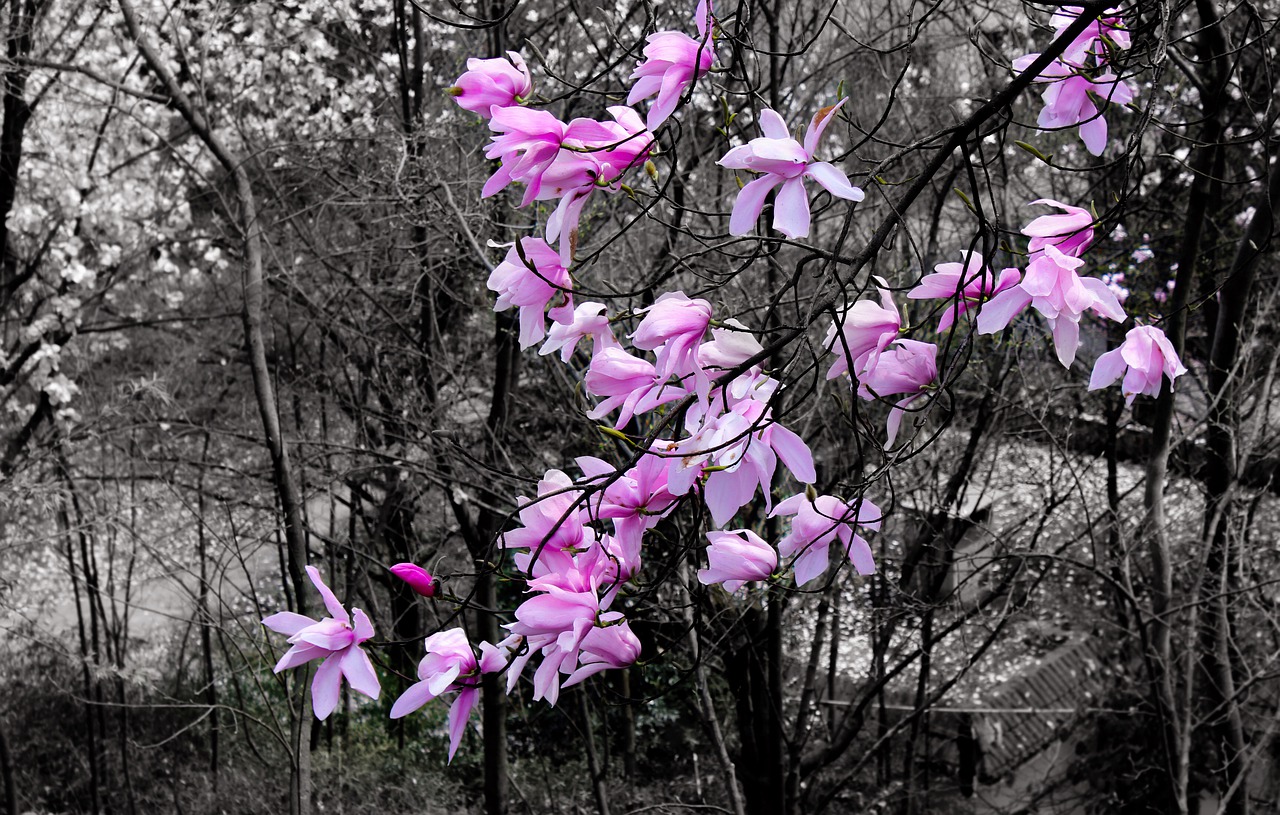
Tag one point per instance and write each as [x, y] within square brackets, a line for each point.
[449, 665]
[1053, 288]
[418, 578]
[906, 367]
[1107, 28]
[1071, 232]
[673, 327]
[736, 557]
[589, 320]
[525, 142]
[574, 634]
[969, 283]
[864, 332]
[562, 161]
[493, 82]
[738, 452]
[530, 277]
[820, 522]
[672, 62]
[554, 527]
[629, 383]
[783, 160]
[336, 641]
[1143, 358]
[1073, 86]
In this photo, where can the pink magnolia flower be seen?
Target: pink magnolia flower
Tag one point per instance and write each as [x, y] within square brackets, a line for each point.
[594, 155]
[819, 523]
[418, 578]
[526, 142]
[673, 61]
[906, 367]
[553, 527]
[673, 327]
[736, 557]
[449, 665]
[864, 332]
[1068, 101]
[530, 277]
[737, 450]
[589, 320]
[336, 641]
[626, 382]
[730, 346]
[1147, 355]
[783, 160]
[1108, 28]
[1053, 288]
[493, 82]
[969, 283]
[1071, 232]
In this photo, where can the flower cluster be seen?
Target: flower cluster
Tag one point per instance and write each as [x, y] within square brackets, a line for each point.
[698, 381]
[1082, 77]
[868, 348]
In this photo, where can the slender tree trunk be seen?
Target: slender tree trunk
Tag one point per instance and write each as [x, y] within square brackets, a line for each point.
[253, 292]
[10, 788]
[1221, 471]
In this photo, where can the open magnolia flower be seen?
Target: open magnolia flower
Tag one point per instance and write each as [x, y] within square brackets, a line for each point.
[782, 160]
[335, 641]
[1143, 358]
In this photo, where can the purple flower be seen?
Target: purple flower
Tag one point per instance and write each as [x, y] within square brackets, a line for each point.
[1068, 101]
[589, 320]
[1071, 232]
[783, 160]
[1143, 358]
[626, 382]
[970, 284]
[864, 332]
[530, 277]
[493, 82]
[672, 62]
[1107, 28]
[418, 578]
[819, 523]
[673, 327]
[906, 367]
[449, 665]
[736, 557]
[335, 641]
[1053, 288]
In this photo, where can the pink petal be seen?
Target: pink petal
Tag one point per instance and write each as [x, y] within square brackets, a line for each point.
[1066, 340]
[746, 210]
[287, 623]
[336, 611]
[459, 713]
[772, 125]
[1094, 135]
[326, 688]
[358, 670]
[299, 654]
[833, 181]
[791, 209]
[795, 454]
[1107, 369]
[1000, 310]
[811, 563]
[415, 697]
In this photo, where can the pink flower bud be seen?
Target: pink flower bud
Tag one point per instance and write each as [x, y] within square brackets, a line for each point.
[418, 578]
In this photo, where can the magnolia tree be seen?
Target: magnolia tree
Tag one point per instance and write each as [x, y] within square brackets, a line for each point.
[792, 293]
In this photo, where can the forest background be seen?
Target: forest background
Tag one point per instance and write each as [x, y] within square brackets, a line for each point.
[245, 326]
